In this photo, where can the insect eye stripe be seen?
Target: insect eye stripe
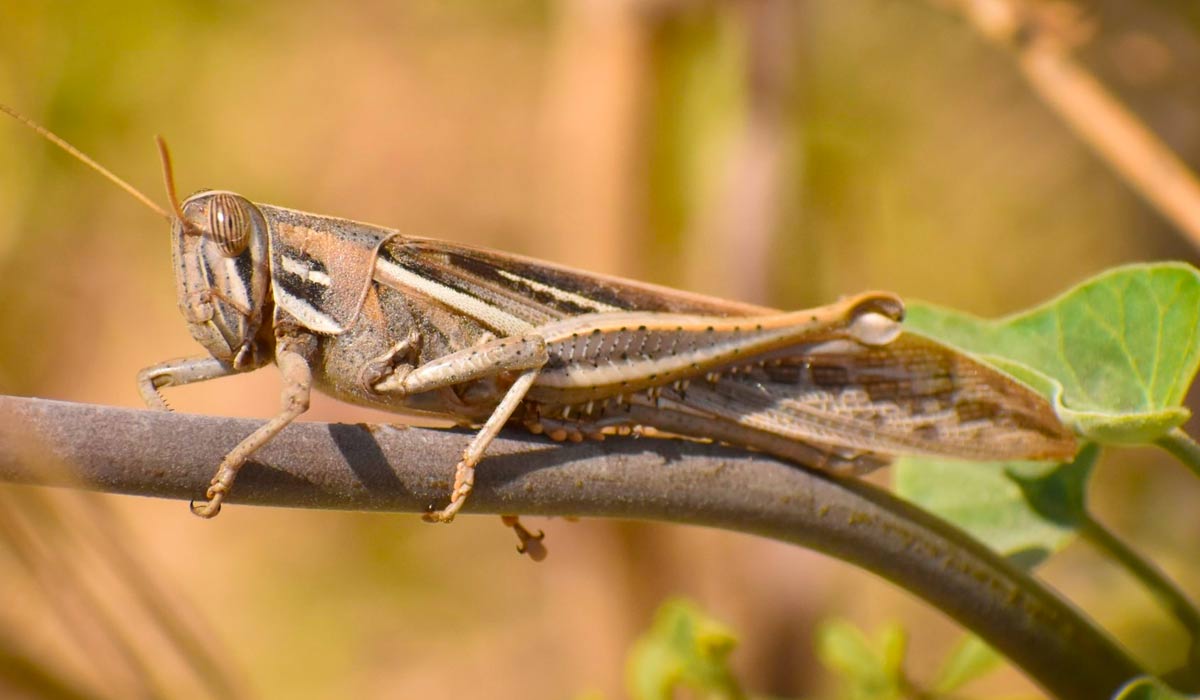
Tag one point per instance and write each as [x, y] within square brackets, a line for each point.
[222, 274]
[244, 264]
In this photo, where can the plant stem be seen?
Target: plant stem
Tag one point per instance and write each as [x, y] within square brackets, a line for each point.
[1183, 447]
[1088, 108]
[319, 465]
[1155, 581]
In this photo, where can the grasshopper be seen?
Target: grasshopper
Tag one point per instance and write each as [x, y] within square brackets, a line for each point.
[378, 318]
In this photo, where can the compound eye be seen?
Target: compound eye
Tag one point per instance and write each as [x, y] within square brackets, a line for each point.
[229, 224]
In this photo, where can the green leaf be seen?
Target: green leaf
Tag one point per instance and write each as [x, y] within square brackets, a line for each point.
[1148, 688]
[686, 647]
[893, 649]
[867, 673]
[843, 648]
[1115, 355]
[971, 659]
[1057, 493]
[1120, 350]
[1025, 510]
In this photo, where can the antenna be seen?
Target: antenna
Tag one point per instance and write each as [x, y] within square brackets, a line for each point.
[81, 156]
[169, 179]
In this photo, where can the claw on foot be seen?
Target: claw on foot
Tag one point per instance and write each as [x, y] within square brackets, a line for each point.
[445, 515]
[210, 507]
[530, 543]
[464, 481]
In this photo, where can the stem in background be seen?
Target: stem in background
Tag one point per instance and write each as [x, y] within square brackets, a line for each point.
[1089, 109]
[1162, 588]
[318, 465]
[1182, 447]
[24, 675]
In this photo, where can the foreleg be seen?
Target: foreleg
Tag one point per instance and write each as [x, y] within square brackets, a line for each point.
[186, 370]
[297, 388]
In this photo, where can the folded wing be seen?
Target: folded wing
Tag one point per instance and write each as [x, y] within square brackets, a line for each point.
[911, 396]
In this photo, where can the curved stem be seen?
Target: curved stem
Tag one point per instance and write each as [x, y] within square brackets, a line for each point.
[376, 468]
[1183, 447]
[1155, 581]
[1043, 53]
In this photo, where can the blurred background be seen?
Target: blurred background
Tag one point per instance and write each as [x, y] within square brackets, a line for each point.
[777, 151]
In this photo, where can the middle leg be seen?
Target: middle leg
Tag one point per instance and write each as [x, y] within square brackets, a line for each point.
[493, 357]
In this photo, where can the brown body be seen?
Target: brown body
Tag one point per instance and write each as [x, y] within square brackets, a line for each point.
[797, 385]
[409, 324]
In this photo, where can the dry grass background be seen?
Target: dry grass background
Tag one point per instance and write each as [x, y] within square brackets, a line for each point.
[775, 151]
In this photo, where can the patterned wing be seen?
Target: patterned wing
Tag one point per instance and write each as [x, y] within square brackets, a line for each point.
[912, 396]
[510, 293]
